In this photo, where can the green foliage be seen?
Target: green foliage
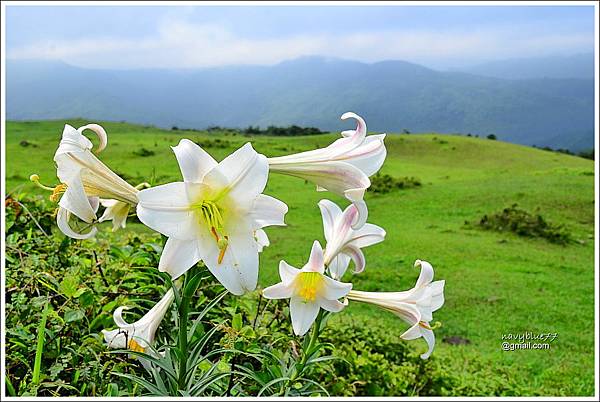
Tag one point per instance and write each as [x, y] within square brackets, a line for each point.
[374, 361]
[214, 143]
[587, 153]
[524, 223]
[64, 298]
[290, 131]
[143, 152]
[384, 183]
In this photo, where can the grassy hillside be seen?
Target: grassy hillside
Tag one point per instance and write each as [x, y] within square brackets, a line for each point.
[496, 283]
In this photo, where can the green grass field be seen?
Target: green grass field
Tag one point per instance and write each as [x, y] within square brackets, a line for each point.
[496, 283]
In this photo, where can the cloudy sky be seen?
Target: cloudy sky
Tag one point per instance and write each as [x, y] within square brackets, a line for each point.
[186, 36]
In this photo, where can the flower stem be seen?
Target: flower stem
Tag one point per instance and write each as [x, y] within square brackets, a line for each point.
[309, 348]
[183, 337]
[313, 338]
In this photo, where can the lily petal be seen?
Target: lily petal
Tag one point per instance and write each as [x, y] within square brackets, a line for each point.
[359, 134]
[62, 220]
[238, 269]
[338, 265]
[117, 211]
[303, 315]
[334, 290]
[100, 133]
[429, 337]
[262, 240]
[426, 275]
[75, 199]
[363, 213]
[118, 317]
[168, 209]
[357, 257]
[437, 289]
[335, 176]
[315, 261]
[72, 141]
[368, 235]
[242, 175]
[335, 306]
[369, 157]
[115, 339]
[194, 162]
[278, 291]
[330, 213]
[178, 256]
[267, 211]
[287, 272]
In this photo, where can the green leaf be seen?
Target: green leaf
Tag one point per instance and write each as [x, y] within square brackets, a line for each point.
[86, 298]
[69, 285]
[236, 322]
[73, 315]
[79, 292]
[248, 332]
[41, 337]
[113, 389]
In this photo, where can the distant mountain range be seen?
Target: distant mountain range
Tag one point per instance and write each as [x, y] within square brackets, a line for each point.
[574, 66]
[312, 91]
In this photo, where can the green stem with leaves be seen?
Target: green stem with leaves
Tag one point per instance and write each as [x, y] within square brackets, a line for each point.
[183, 341]
[308, 351]
[183, 308]
[313, 339]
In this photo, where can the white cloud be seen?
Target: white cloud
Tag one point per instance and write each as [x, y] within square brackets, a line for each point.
[181, 44]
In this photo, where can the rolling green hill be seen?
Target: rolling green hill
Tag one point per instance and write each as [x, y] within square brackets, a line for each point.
[496, 282]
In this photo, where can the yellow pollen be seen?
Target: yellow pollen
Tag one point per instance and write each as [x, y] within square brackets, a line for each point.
[309, 285]
[214, 233]
[57, 192]
[136, 347]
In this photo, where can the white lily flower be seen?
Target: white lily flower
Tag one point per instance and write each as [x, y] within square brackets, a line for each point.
[343, 167]
[309, 290]
[84, 179]
[139, 335]
[215, 215]
[117, 211]
[343, 242]
[415, 306]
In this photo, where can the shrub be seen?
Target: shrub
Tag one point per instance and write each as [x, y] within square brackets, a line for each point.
[384, 183]
[214, 143]
[523, 223]
[589, 154]
[143, 152]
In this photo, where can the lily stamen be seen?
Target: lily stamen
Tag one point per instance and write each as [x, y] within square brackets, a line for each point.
[213, 231]
[136, 347]
[36, 180]
[423, 324]
[57, 192]
[222, 244]
[436, 325]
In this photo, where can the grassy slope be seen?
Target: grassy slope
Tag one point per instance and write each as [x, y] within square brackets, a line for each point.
[495, 283]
